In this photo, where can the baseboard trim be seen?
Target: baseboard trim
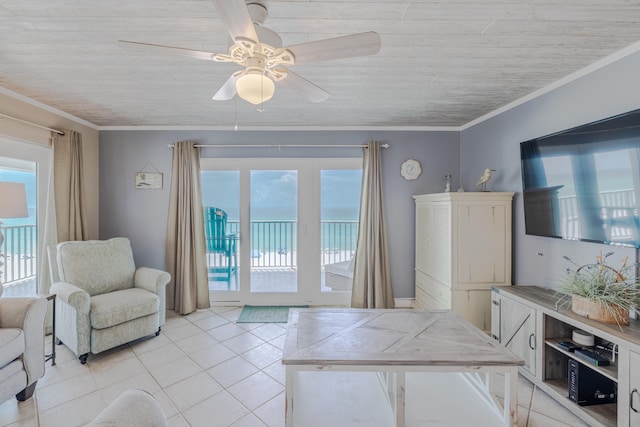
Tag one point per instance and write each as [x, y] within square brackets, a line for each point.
[403, 302]
[399, 303]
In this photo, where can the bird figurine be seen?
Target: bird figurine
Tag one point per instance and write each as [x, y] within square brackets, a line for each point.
[486, 176]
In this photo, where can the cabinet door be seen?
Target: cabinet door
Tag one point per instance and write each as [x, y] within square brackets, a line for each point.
[495, 316]
[517, 330]
[634, 386]
[440, 267]
[482, 250]
[424, 240]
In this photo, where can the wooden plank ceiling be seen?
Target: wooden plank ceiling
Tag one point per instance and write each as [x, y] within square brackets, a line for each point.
[442, 63]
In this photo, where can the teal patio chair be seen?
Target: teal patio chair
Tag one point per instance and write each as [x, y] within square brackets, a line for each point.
[221, 245]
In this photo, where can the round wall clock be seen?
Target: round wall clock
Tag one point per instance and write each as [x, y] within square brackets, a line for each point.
[411, 169]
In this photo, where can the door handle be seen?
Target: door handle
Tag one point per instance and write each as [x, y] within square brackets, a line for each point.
[634, 391]
[532, 344]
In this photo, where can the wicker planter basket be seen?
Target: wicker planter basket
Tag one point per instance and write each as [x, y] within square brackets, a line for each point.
[597, 311]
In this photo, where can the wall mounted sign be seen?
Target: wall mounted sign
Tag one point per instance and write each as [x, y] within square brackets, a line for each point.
[149, 180]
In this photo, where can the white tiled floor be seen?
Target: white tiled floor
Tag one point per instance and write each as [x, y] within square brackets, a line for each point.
[205, 370]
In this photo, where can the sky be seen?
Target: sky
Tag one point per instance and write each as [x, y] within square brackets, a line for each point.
[275, 193]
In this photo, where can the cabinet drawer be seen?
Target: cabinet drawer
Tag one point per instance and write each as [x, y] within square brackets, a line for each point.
[434, 289]
[427, 302]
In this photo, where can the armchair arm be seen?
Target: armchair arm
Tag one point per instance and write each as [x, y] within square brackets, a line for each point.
[28, 314]
[151, 279]
[73, 326]
[74, 296]
[154, 281]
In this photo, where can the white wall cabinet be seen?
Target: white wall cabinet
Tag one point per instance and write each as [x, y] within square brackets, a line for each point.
[548, 366]
[463, 248]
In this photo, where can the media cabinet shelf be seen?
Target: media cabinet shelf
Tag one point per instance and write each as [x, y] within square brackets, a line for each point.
[531, 320]
[610, 371]
[605, 414]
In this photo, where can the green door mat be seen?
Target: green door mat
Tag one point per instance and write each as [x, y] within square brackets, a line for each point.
[266, 314]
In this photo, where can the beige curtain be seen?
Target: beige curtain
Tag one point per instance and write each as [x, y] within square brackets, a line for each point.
[371, 277]
[71, 212]
[186, 257]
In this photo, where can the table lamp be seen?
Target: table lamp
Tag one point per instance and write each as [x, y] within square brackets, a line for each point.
[13, 204]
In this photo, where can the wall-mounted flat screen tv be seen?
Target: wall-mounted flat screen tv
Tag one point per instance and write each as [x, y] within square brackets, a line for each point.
[584, 183]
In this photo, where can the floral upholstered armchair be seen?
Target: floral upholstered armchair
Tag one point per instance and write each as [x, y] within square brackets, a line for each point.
[102, 300]
[21, 345]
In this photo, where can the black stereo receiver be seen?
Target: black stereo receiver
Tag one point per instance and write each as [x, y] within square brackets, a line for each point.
[588, 387]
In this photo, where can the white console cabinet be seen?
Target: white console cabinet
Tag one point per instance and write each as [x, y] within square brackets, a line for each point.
[531, 321]
[463, 248]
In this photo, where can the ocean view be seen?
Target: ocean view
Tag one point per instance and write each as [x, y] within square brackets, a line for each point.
[273, 199]
[19, 240]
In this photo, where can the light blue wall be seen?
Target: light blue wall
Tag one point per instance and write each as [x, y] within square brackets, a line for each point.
[495, 143]
[142, 214]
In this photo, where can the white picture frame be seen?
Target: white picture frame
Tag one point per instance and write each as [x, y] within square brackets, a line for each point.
[148, 181]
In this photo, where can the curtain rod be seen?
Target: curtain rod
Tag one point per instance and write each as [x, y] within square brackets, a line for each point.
[282, 146]
[59, 132]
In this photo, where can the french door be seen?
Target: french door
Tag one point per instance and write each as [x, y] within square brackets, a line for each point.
[292, 225]
[23, 247]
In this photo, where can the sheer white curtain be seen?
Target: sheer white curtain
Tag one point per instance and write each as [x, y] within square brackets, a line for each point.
[50, 233]
[186, 257]
[371, 277]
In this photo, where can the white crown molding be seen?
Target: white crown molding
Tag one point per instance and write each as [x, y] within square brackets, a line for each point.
[607, 60]
[286, 128]
[48, 108]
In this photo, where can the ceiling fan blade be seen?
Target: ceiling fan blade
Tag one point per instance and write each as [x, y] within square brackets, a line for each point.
[227, 91]
[304, 87]
[235, 15]
[360, 44]
[166, 50]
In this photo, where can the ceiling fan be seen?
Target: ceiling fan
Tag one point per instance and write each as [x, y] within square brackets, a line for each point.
[259, 50]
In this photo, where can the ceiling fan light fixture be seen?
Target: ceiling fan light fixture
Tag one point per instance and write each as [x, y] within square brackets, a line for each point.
[255, 87]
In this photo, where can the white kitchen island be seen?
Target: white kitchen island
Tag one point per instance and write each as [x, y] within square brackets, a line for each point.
[359, 367]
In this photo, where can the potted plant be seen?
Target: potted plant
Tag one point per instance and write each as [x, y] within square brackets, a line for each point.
[601, 292]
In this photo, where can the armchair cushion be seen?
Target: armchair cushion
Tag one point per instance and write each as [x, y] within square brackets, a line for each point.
[11, 345]
[113, 308]
[97, 266]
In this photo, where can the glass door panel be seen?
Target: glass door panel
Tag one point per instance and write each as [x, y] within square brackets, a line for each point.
[339, 210]
[274, 230]
[221, 200]
[19, 245]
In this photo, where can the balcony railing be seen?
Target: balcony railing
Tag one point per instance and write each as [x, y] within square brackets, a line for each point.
[18, 253]
[274, 242]
[616, 200]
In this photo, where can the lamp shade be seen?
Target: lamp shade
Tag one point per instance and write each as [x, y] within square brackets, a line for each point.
[255, 87]
[13, 200]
